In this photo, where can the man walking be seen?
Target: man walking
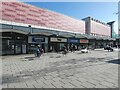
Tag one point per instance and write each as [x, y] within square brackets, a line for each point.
[38, 51]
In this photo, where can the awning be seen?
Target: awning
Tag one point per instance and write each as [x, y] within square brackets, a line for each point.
[80, 36]
[66, 34]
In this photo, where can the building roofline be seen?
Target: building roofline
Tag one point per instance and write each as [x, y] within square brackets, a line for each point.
[96, 20]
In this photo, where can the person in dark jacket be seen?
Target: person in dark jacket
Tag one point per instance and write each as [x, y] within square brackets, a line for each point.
[38, 51]
[64, 50]
[73, 48]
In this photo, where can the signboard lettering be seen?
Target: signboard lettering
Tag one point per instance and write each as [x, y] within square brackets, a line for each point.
[84, 41]
[58, 40]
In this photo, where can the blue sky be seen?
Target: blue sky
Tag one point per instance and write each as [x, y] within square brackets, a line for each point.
[103, 11]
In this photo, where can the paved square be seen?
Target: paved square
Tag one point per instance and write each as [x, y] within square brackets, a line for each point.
[96, 69]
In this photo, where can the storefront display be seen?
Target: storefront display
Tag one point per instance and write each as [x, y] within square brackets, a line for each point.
[57, 44]
[84, 43]
[73, 42]
[14, 43]
[33, 41]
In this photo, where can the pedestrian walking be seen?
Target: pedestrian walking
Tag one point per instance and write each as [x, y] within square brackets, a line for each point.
[42, 51]
[35, 51]
[38, 51]
[64, 50]
[108, 47]
[73, 48]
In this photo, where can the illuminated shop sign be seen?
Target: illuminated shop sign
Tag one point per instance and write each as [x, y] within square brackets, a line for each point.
[58, 40]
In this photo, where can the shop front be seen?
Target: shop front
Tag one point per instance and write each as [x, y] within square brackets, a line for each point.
[84, 43]
[91, 44]
[73, 42]
[13, 43]
[57, 44]
[101, 43]
[33, 41]
[96, 43]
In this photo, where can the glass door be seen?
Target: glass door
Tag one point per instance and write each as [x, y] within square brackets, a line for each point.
[7, 46]
[23, 48]
[18, 47]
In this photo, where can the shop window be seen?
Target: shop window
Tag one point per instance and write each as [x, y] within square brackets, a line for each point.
[7, 46]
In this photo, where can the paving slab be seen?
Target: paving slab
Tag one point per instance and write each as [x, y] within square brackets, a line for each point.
[96, 69]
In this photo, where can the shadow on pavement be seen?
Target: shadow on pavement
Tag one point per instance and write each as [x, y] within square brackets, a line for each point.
[116, 61]
[30, 58]
[67, 67]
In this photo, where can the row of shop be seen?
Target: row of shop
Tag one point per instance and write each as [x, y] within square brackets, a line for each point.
[16, 43]
[22, 40]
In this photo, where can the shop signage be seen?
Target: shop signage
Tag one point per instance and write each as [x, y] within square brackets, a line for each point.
[37, 39]
[84, 41]
[73, 41]
[58, 40]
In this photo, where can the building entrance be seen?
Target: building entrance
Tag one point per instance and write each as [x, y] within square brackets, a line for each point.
[14, 43]
[57, 44]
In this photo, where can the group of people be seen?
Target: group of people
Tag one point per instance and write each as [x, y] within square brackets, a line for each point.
[109, 48]
[72, 48]
[65, 49]
[38, 51]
